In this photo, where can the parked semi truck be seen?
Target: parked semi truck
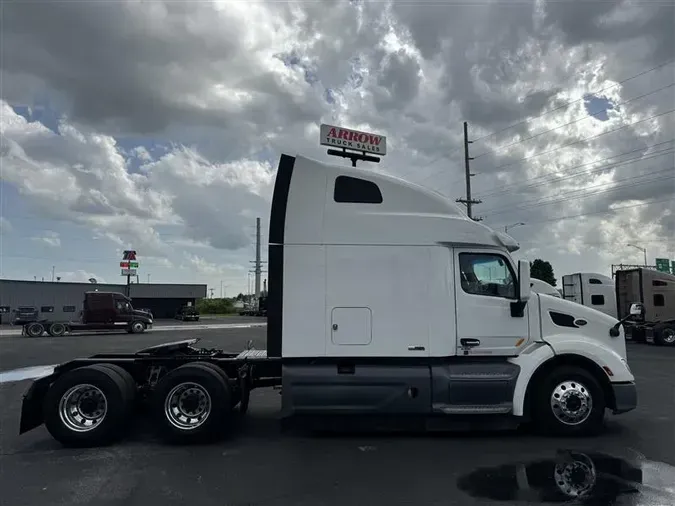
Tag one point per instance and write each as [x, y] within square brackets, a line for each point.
[101, 311]
[592, 290]
[258, 309]
[654, 291]
[348, 248]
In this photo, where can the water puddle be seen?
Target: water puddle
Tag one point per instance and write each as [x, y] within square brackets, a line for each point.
[589, 479]
[26, 373]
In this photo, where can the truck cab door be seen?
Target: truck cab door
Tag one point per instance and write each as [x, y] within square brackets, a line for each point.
[123, 311]
[485, 287]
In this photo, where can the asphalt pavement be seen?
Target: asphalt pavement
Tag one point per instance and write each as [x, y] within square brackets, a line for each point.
[261, 465]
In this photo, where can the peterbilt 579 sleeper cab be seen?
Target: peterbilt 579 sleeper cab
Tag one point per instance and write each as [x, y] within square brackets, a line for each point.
[473, 347]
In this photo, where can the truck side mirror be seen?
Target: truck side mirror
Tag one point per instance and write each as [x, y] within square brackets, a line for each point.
[524, 290]
[636, 309]
[524, 282]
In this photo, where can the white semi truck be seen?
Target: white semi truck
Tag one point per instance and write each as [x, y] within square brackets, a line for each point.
[592, 290]
[348, 248]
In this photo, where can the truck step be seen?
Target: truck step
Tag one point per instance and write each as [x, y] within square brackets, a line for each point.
[253, 355]
[473, 409]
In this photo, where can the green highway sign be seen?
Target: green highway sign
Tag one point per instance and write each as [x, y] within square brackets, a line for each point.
[663, 265]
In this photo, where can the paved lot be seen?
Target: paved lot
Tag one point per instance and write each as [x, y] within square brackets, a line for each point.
[263, 466]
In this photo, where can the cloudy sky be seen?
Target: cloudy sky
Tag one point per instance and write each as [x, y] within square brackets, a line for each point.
[157, 125]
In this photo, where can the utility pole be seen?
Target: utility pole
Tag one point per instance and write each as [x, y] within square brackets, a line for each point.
[53, 267]
[257, 258]
[468, 200]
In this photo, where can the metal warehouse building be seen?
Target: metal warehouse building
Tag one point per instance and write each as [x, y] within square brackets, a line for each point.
[63, 301]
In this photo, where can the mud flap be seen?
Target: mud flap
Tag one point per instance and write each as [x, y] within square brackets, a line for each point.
[31, 408]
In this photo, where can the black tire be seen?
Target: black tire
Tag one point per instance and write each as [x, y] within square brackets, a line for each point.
[208, 381]
[583, 383]
[236, 397]
[137, 327]
[56, 329]
[664, 334]
[113, 423]
[35, 329]
[129, 381]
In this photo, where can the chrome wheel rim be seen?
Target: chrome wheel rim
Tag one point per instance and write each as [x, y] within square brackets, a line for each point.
[138, 326]
[576, 478]
[187, 406]
[571, 402]
[83, 407]
[668, 336]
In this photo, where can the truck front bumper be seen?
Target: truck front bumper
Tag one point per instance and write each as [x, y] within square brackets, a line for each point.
[625, 397]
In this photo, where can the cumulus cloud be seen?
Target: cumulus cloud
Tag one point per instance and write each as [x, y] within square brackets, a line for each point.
[567, 103]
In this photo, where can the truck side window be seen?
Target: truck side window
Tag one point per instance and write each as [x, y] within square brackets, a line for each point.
[356, 191]
[47, 309]
[594, 281]
[659, 300]
[487, 274]
[68, 309]
[597, 300]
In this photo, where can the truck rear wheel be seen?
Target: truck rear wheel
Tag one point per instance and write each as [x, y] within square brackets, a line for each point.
[569, 402]
[34, 329]
[664, 334]
[192, 404]
[56, 329]
[87, 407]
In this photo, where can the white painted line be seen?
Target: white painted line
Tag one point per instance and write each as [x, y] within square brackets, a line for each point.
[168, 328]
[26, 373]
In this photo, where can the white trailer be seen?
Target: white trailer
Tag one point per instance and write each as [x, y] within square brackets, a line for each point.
[386, 305]
[590, 289]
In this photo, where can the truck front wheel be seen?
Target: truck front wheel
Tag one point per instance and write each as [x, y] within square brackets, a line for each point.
[664, 335]
[569, 402]
[192, 404]
[137, 327]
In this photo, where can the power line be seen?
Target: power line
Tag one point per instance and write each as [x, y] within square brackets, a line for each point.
[596, 92]
[575, 101]
[579, 193]
[590, 115]
[583, 140]
[561, 218]
[544, 178]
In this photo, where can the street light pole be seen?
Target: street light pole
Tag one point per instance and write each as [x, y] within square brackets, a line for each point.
[644, 251]
[507, 227]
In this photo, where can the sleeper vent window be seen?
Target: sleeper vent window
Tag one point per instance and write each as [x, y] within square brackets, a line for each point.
[356, 191]
[594, 281]
[598, 300]
[658, 282]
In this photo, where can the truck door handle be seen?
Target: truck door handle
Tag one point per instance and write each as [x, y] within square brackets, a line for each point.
[469, 343]
[416, 347]
[335, 326]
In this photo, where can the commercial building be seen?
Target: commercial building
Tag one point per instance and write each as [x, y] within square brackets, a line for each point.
[63, 301]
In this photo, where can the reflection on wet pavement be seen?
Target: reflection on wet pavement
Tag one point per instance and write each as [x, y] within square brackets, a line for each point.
[589, 479]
